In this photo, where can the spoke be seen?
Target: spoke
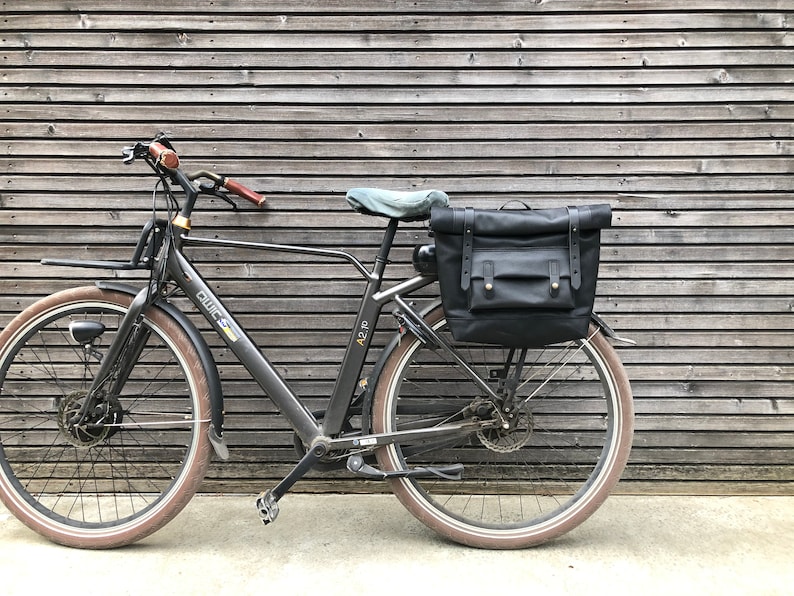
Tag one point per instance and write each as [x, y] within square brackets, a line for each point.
[99, 485]
[549, 378]
[162, 423]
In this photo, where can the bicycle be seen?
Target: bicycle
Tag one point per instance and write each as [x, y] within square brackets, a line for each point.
[111, 405]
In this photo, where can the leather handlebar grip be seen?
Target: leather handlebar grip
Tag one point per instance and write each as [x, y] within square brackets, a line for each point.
[164, 156]
[244, 192]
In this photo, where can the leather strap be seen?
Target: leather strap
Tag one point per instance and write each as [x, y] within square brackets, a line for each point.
[468, 248]
[573, 247]
[488, 278]
[554, 278]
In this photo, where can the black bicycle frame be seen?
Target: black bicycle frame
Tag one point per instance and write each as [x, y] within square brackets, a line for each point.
[179, 269]
[305, 424]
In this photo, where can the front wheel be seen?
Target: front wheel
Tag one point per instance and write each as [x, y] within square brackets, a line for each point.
[560, 446]
[142, 449]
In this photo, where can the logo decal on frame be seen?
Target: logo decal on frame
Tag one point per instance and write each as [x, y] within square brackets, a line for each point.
[227, 329]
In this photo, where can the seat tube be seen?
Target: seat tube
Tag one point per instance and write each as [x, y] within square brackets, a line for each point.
[360, 340]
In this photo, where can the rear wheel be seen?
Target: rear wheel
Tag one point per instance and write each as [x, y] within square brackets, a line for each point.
[142, 450]
[558, 449]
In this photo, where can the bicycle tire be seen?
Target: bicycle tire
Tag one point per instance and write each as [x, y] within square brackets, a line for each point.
[117, 483]
[521, 487]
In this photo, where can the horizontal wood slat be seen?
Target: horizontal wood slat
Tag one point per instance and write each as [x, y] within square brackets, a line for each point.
[680, 114]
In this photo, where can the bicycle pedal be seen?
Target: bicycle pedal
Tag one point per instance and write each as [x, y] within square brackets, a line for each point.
[267, 505]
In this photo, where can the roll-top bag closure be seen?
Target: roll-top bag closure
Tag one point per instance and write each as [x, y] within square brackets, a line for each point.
[574, 250]
[520, 222]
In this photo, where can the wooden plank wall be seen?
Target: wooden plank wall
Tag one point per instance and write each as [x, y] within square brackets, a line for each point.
[678, 112]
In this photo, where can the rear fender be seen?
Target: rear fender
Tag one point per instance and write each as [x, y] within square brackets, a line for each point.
[609, 332]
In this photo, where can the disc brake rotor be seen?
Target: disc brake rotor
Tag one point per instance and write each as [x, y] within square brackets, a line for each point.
[512, 439]
[95, 428]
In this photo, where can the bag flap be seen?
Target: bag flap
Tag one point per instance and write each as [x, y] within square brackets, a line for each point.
[521, 263]
[510, 222]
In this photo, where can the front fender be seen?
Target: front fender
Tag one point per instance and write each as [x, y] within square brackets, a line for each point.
[207, 361]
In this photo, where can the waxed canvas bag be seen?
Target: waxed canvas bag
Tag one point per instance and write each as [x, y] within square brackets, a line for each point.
[518, 278]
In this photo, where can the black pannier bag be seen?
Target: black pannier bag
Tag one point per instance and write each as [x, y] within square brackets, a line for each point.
[518, 278]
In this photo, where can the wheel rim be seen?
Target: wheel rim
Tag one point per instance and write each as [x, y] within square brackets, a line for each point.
[537, 481]
[98, 483]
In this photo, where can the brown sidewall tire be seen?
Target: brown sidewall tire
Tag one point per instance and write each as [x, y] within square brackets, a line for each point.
[425, 513]
[191, 478]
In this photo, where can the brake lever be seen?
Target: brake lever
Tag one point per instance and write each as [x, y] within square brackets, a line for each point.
[133, 152]
[211, 189]
[129, 155]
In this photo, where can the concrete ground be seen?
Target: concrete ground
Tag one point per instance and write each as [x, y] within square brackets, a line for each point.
[365, 544]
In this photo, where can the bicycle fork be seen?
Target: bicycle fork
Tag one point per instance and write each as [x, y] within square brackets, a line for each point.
[86, 334]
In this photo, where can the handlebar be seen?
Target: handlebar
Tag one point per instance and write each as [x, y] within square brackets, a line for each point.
[238, 189]
[161, 156]
[232, 186]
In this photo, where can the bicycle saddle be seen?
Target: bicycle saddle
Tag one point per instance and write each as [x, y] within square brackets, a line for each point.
[406, 206]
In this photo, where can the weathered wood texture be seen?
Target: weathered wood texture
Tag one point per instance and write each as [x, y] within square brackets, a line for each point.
[678, 113]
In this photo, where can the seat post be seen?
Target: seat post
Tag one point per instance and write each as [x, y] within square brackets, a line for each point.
[383, 254]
